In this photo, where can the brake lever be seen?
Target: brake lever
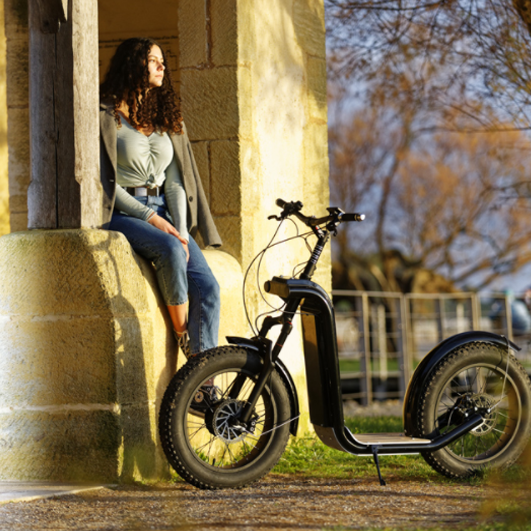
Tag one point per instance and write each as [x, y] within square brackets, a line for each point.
[283, 215]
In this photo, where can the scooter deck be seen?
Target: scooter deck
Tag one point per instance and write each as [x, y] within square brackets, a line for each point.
[387, 438]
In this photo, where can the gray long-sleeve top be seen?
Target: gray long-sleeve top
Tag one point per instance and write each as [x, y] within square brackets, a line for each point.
[198, 212]
[148, 161]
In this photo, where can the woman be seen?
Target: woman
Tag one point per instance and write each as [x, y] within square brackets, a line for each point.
[153, 193]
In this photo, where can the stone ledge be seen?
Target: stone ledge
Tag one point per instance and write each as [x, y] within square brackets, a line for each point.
[97, 354]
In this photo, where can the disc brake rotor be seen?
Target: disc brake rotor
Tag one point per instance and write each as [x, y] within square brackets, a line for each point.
[223, 421]
[485, 404]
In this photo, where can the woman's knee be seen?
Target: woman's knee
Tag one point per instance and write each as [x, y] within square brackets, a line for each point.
[205, 288]
[213, 288]
[173, 254]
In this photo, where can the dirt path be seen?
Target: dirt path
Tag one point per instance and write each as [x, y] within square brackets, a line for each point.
[276, 503]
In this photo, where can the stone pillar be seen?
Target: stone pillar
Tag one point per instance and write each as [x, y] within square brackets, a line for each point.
[253, 87]
[4, 183]
[17, 81]
[65, 190]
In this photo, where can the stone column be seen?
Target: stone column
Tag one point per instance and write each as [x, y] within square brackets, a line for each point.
[253, 87]
[16, 29]
[4, 193]
[86, 353]
[65, 190]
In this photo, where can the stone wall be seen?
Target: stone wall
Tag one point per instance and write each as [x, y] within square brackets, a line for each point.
[253, 87]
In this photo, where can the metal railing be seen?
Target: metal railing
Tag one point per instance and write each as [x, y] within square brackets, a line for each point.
[382, 336]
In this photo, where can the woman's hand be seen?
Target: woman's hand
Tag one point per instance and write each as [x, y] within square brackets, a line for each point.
[165, 226]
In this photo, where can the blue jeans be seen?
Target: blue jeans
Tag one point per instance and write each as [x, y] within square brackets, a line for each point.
[178, 280]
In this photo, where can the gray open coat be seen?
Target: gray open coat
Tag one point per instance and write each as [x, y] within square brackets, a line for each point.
[199, 215]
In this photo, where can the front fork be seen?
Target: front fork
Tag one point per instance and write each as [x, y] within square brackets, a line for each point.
[269, 353]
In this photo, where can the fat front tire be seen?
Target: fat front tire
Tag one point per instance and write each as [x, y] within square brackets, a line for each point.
[198, 426]
[478, 377]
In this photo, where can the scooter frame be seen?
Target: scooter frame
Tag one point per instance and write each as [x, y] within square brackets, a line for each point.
[322, 367]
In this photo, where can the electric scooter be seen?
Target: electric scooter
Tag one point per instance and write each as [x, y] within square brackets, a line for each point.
[226, 416]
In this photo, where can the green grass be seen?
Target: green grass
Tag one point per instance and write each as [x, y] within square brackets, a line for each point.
[308, 456]
[349, 365]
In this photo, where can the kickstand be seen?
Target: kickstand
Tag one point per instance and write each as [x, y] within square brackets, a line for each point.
[377, 463]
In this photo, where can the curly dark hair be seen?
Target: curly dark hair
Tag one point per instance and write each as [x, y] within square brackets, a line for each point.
[127, 80]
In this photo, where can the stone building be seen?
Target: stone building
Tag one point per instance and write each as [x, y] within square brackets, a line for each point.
[85, 350]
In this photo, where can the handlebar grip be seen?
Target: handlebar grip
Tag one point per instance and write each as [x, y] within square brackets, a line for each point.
[353, 217]
[280, 203]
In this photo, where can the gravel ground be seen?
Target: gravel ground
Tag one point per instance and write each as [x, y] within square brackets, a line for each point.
[275, 503]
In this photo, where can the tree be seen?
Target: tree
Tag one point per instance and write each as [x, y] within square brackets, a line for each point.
[474, 53]
[410, 82]
[439, 202]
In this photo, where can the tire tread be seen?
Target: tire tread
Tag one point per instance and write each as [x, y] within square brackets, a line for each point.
[165, 418]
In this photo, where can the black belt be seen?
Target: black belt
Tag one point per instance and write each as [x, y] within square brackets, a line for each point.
[142, 191]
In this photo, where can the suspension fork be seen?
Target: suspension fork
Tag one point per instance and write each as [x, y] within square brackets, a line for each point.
[271, 354]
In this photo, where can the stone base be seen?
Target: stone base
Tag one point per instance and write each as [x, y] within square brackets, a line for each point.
[86, 352]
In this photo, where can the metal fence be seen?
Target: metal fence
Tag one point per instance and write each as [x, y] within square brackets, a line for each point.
[382, 336]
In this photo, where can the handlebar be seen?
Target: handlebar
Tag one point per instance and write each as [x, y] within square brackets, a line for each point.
[353, 217]
[335, 217]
